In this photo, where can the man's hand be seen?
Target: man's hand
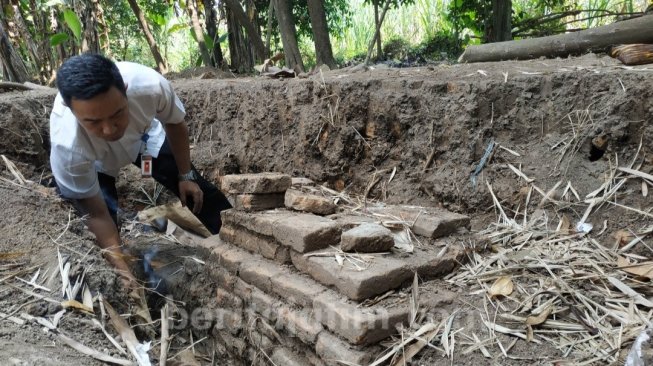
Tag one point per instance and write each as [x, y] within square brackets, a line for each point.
[190, 189]
[99, 222]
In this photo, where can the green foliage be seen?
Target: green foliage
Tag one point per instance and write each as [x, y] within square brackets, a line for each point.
[396, 48]
[338, 15]
[73, 22]
[58, 39]
[441, 46]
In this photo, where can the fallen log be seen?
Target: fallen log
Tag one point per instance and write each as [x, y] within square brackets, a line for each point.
[638, 30]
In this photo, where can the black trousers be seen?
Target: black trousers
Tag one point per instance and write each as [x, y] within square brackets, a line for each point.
[164, 171]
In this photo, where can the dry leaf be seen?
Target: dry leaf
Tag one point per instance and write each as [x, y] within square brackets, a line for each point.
[644, 189]
[623, 237]
[640, 269]
[502, 287]
[627, 290]
[541, 317]
[565, 225]
[76, 305]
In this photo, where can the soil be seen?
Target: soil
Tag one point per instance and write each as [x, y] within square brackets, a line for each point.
[411, 135]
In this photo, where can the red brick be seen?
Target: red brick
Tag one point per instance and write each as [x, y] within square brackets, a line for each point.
[299, 323]
[286, 357]
[259, 222]
[306, 232]
[381, 275]
[296, 289]
[427, 221]
[257, 202]
[367, 238]
[256, 183]
[360, 326]
[300, 201]
[232, 258]
[260, 273]
[336, 352]
[256, 243]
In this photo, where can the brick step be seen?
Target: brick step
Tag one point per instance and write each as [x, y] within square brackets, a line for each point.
[262, 282]
[298, 231]
[255, 232]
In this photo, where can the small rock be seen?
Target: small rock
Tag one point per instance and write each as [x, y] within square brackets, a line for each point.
[367, 238]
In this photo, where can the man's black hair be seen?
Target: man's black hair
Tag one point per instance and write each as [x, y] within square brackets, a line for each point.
[86, 76]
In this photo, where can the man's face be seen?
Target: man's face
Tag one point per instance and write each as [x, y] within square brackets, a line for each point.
[105, 116]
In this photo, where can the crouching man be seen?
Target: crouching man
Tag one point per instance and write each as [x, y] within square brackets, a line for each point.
[106, 116]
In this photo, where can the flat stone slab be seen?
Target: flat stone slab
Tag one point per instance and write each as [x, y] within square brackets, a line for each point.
[256, 183]
[367, 238]
[307, 202]
[430, 222]
[382, 274]
[256, 202]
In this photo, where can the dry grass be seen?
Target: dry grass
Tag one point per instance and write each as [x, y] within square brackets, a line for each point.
[585, 299]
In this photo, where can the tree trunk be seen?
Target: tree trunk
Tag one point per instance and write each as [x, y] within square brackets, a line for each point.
[197, 31]
[90, 39]
[241, 55]
[323, 51]
[55, 28]
[239, 14]
[32, 49]
[501, 21]
[103, 29]
[288, 35]
[638, 30]
[268, 37]
[212, 30]
[14, 65]
[160, 62]
[377, 25]
[377, 32]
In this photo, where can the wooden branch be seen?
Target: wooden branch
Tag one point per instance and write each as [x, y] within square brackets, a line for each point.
[639, 30]
[377, 33]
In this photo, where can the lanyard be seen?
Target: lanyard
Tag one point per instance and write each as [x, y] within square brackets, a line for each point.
[146, 158]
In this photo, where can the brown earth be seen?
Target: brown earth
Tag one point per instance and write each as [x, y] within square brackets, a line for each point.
[402, 135]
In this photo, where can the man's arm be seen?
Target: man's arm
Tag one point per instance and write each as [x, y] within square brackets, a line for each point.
[177, 135]
[101, 224]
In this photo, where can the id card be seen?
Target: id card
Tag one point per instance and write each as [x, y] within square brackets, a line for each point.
[146, 165]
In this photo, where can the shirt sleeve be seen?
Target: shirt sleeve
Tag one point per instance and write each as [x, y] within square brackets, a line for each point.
[75, 175]
[169, 108]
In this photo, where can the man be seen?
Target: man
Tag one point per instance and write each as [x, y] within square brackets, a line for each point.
[106, 116]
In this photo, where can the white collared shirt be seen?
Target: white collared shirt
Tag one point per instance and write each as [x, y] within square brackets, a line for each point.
[76, 156]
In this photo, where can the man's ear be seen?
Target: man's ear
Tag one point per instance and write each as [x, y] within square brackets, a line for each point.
[126, 86]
